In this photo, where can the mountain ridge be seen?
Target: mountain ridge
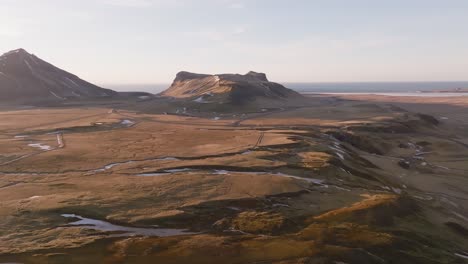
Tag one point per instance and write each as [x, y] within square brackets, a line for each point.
[24, 76]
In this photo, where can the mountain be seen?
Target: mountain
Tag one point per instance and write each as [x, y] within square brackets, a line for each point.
[227, 88]
[23, 76]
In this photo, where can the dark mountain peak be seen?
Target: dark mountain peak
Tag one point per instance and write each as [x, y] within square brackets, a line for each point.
[17, 53]
[18, 58]
[23, 76]
[21, 51]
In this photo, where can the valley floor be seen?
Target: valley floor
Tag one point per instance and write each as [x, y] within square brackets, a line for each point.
[344, 179]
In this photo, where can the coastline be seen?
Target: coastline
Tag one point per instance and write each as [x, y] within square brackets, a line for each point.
[396, 94]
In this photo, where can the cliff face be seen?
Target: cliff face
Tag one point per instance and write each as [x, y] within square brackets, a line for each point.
[23, 76]
[229, 88]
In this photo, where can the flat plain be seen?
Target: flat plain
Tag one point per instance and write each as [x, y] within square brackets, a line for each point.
[341, 179]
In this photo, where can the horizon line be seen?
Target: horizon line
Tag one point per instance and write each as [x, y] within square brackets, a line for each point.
[294, 82]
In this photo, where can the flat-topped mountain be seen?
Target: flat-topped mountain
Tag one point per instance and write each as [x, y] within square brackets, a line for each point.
[23, 76]
[227, 88]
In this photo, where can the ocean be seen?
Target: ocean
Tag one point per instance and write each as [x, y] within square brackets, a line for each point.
[375, 87]
[330, 87]
[149, 88]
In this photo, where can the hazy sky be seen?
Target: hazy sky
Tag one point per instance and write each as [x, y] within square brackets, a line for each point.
[149, 41]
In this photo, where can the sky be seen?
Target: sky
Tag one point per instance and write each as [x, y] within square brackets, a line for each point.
[149, 41]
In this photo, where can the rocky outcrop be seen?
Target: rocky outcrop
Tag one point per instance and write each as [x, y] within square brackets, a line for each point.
[23, 76]
[227, 88]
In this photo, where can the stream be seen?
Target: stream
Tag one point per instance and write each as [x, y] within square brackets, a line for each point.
[88, 223]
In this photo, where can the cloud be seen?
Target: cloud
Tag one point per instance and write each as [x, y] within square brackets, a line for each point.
[145, 3]
[239, 30]
[173, 3]
[148, 3]
[236, 6]
[130, 3]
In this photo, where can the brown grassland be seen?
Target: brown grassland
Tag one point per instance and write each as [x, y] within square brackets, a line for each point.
[351, 179]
